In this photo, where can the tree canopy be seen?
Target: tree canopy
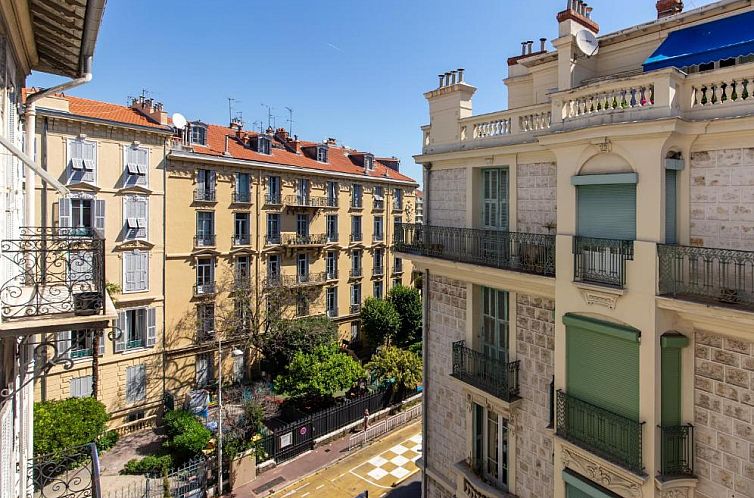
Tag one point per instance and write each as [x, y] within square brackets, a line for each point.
[288, 337]
[323, 372]
[407, 302]
[380, 322]
[399, 366]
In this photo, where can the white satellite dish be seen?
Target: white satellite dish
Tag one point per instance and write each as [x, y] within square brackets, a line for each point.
[587, 43]
[179, 121]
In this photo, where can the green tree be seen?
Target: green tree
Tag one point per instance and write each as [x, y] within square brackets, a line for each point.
[321, 373]
[380, 322]
[407, 302]
[397, 366]
[288, 337]
[67, 423]
[187, 437]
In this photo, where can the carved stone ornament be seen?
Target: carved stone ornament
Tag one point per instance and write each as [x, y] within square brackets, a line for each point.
[605, 299]
[600, 474]
[675, 493]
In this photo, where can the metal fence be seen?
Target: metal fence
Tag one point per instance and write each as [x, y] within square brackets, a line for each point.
[71, 474]
[677, 451]
[190, 480]
[601, 261]
[487, 373]
[384, 426]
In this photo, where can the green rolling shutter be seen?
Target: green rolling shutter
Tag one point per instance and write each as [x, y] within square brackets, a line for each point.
[574, 492]
[607, 211]
[671, 186]
[602, 367]
[580, 487]
[671, 345]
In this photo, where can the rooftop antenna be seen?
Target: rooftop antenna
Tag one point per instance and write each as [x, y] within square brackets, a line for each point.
[255, 123]
[269, 115]
[290, 121]
[231, 100]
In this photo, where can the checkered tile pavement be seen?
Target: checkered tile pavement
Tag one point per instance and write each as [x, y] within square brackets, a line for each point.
[392, 465]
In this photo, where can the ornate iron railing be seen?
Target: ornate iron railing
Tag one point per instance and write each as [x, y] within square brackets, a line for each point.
[357, 237]
[72, 473]
[379, 205]
[378, 271]
[355, 308]
[311, 278]
[332, 237]
[243, 239]
[676, 451]
[355, 272]
[297, 200]
[604, 433]
[204, 289]
[271, 240]
[205, 195]
[52, 271]
[332, 275]
[204, 240]
[489, 374]
[378, 237]
[241, 197]
[601, 261]
[332, 202]
[272, 199]
[294, 239]
[723, 276]
[516, 251]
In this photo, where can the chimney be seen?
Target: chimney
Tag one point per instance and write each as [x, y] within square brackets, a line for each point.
[282, 135]
[667, 8]
[331, 142]
[577, 13]
[294, 144]
[151, 109]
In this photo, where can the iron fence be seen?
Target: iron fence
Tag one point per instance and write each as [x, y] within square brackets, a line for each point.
[242, 197]
[53, 270]
[205, 195]
[677, 451]
[724, 276]
[206, 240]
[70, 474]
[601, 261]
[516, 251]
[272, 199]
[605, 433]
[243, 239]
[296, 200]
[311, 278]
[271, 240]
[489, 374]
[357, 237]
[295, 239]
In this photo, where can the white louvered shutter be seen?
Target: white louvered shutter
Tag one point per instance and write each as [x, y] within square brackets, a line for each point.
[99, 216]
[64, 212]
[151, 327]
[129, 272]
[64, 343]
[101, 345]
[121, 333]
[141, 270]
[89, 155]
[212, 181]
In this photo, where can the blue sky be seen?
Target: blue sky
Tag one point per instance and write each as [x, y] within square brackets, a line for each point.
[350, 69]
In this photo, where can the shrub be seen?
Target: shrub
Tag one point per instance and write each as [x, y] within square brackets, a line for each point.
[67, 423]
[187, 436]
[107, 440]
[322, 373]
[150, 464]
[397, 366]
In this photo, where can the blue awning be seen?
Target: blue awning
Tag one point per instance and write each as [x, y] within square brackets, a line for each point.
[708, 42]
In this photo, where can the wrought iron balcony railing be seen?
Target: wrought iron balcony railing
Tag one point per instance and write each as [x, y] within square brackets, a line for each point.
[357, 203]
[516, 251]
[357, 237]
[243, 239]
[604, 433]
[355, 308]
[332, 313]
[205, 195]
[311, 278]
[331, 275]
[294, 239]
[273, 281]
[297, 200]
[332, 202]
[355, 272]
[489, 374]
[601, 261]
[242, 197]
[379, 205]
[378, 271]
[273, 199]
[724, 276]
[206, 289]
[332, 237]
[378, 237]
[272, 240]
[53, 271]
[676, 451]
[204, 240]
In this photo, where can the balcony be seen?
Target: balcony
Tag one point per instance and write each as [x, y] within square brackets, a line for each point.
[355, 309]
[379, 205]
[676, 452]
[331, 275]
[206, 289]
[491, 375]
[297, 240]
[204, 240]
[273, 200]
[601, 261]
[332, 203]
[707, 275]
[355, 273]
[306, 201]
[272, 240]
[241, 197]
[356, 237]
[304, 280]
[54, 272]
[602, 432]
[243, 239]
[205, 195]
[378, 271]
[521, 252]
[332, 313]
[332, 237]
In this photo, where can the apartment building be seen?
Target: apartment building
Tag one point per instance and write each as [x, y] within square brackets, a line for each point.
[587, 263]
[419, 217]
[301, 228]
[112, 160]
[42, 290]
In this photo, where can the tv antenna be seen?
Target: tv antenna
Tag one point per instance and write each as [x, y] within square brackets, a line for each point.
[290, 121]
[231, 101]
[254, 125]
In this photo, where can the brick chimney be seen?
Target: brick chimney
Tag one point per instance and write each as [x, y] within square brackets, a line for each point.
[151, 109]
[667, 8]
[282, 135]
[577, 15]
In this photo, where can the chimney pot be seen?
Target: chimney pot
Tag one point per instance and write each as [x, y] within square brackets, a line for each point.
[588, 12]
[441, 76]
[529, 45]
[542, 42]
[523, 48]
[667, 8]
[460, 74]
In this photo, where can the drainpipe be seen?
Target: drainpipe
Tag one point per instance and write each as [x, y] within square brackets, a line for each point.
[425, 336]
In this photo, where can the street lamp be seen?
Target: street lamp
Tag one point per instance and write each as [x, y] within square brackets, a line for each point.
[235, 353]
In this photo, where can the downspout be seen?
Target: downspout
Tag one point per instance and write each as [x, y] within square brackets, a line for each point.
[425, 338]
[164, 276]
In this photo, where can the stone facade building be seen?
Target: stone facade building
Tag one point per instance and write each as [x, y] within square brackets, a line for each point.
[587, 263]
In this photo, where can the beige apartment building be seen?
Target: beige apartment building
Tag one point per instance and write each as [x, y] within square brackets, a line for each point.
[112, 160]
[589, 266]
[295, 228]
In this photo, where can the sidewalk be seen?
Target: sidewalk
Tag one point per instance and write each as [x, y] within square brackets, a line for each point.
[303, 466]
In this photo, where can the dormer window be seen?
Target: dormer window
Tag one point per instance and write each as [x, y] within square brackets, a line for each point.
[368, 162]
[198, 133]
[264, 145]
[322, 153]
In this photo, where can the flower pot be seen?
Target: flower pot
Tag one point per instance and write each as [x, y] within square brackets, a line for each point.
[87, 303]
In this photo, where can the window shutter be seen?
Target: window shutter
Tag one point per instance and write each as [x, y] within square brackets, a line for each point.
[130, 384]
[142, 386]
[128, 272]
[101, 345]
[607, 211]
[151, 327]
[503, 199]
[212, 180]
[90, 164]
[671, 186]
[64, 212]
[64, 343]
[121, 333]
[142, 270]
[200, 176]
[671, 386]
[99, 216]
[81, 387]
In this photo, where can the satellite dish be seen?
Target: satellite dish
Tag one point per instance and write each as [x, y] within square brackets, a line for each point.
[179, 121]
[587, 42]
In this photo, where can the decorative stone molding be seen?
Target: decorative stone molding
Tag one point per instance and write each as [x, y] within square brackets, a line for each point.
[601, 296]
[675, 493]
[601, 474]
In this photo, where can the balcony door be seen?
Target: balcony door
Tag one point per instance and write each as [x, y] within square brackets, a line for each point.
[490, 447]
[495, 199]
[494, 335]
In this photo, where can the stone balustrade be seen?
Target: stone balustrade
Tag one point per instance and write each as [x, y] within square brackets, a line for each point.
[505, 123]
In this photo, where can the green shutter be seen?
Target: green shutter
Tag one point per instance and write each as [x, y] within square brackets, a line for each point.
[670, 383]
[607, 211]
[578, 486]
[574, 492]
[495, 199]
[671, 186]
[603, 369]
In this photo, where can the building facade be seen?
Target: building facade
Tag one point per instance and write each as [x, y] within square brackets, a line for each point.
[588, 266]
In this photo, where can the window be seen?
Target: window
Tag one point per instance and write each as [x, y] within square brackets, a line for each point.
[134, 416]
[331, 301]
[302, 225]
[355, 330]
[302, 305]
[368, 162]
[273, 267]
[264, 144]
[241, 229]
[332, 227]
[204, 369]
[671, 195]
[273, 228]
[198, 133]
[355, 294]
[331, 265]
[242, 192]
[322, 153]
[137, 164]
[377, 289]
[355, 228]
[495, 199]
[398, 265]
[136, 383]
[302, 192]
[135, 271]
[205, 228]
[356, 263]
[82, 214]
[302, 267]
[379, 197]
[379, 231]
[397, 220]
[490, 446]
[205, 276]
[138, 328]
[82, 161]
[205, 316]
[357, 193]
[495, 340]
[242, 269]
[397, 199]
[332, 194]
[135, 214]
[205, 185]
[81, 344]
[273, 190]
[378, 261]
[397, 281]
[80, 387]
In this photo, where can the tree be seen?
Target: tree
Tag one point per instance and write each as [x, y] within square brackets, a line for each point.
[67, 423]
[397, 366]
[321, 373]
[380, 321]
[290, 336]
[407, 302]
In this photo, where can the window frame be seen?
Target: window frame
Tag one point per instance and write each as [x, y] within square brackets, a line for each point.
[141, 177]
[126, 257]
[131, 233]
[78, 163]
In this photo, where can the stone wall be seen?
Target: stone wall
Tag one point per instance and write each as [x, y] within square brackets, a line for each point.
[536, 193]
[722, 198]
[535, 346]
[436, 490]
[723, 430]
[447, 198]
[444, 401]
